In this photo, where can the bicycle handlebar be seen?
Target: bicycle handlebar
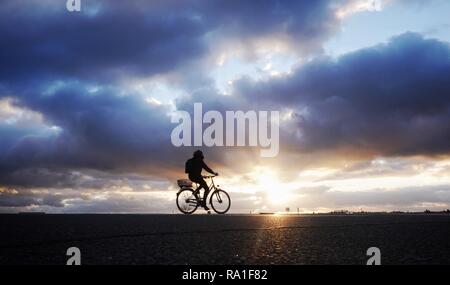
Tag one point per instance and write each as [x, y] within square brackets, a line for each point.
[209, 176]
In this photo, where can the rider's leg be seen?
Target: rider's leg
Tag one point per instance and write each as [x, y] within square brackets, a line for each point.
[196, 179]
[205, 186]
[197, 190]
[202, 184]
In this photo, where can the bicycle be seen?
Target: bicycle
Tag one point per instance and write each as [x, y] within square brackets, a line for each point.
[188, 199]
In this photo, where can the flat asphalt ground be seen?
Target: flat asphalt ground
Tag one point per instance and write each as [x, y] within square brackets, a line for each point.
[224, 239]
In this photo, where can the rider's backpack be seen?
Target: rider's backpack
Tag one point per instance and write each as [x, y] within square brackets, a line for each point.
[188, 166]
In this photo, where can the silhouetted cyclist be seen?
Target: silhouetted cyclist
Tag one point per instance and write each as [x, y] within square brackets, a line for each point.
[194, 167]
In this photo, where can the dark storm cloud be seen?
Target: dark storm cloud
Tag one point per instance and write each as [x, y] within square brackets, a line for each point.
[52, 60]
[306, 23]
[10, 197]
[391, 99]
[81, 179]
[40, 39]
[102, 130]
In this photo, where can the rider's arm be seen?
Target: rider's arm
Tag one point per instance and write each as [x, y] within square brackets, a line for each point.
[205, 167]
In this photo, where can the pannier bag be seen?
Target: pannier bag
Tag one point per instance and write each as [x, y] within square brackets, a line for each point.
[184, 183]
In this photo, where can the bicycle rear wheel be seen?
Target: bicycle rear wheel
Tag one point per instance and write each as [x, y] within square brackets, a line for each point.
[220, 201]
[186, 201]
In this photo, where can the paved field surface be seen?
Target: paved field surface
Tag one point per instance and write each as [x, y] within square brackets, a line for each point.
[229, 239]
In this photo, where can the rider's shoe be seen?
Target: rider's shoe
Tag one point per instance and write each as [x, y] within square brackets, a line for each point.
[205, 207]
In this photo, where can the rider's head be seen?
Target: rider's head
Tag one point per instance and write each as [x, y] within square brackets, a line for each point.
[198, 154]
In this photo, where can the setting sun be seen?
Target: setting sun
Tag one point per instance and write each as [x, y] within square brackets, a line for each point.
[268, 183]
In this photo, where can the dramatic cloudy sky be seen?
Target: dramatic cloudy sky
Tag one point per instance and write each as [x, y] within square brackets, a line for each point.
[362, 86]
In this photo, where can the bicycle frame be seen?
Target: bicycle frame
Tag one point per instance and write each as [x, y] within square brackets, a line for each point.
[212, 186]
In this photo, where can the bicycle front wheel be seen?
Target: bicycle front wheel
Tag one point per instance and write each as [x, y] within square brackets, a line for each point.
[186, 201]
[220, 201]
